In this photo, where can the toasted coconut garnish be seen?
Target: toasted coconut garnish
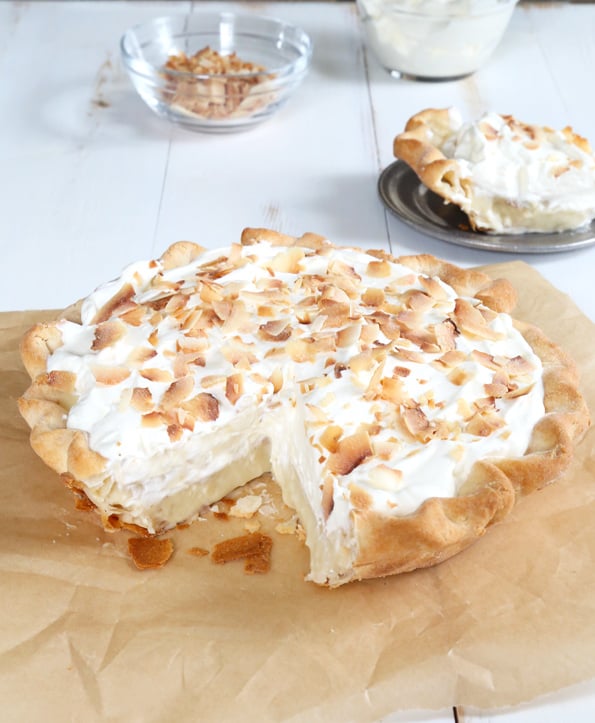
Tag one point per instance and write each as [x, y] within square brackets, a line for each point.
[141, 399]
[351, 452]
[277, 330]
[378, 269]
[470, 321]
[154, 374]
[433, 287]
[401, 372]
[176, 393]
[175, 432]
[150, 552]
[392, 390]
[329, 439]
[373, 296]
[134, 316]
[417, 424]
[518, 366]
[153, 419]
[119, 303]
[483, 423]
[107, 333]
[246, 506]
[203, 406]
[385, 478]
[288, 261]
[349, 335]
[109, 375]
[445, 333]
[459, 376]
[234, 387]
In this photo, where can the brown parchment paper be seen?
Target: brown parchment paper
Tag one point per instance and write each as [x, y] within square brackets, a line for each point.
[85, 636]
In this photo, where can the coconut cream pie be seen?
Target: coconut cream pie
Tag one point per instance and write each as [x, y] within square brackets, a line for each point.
[507, 176]
[399, 407]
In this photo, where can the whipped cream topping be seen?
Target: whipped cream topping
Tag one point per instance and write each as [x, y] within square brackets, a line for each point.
[340, 371]
[523, 177]
[435, 38]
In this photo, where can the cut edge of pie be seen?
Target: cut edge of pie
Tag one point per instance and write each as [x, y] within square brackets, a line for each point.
[384, 544]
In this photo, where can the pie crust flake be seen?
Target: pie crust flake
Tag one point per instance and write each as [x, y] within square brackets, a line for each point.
[508, 176]
[398, 405]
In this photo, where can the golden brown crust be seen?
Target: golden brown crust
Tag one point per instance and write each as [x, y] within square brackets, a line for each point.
[418, 146]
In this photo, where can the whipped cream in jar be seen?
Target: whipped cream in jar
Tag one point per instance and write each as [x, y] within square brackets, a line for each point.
[434, 39]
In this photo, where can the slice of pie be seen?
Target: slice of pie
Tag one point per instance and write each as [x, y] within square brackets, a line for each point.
[507, 176]
[399, 407]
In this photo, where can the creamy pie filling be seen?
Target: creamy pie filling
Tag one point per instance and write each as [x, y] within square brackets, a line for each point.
[339, 371]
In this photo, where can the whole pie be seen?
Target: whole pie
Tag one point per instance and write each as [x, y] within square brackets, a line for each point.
[398, 405]
[506, 175]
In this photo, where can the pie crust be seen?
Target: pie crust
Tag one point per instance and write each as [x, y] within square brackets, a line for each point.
[378, 542]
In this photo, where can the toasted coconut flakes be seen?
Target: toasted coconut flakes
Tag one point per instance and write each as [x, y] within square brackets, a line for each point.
[175, 432]
[351, 452]
[518, 392]
[329, 439]
[156, 375]
[154, 338]
[177, 392]
[152, 419]
[373, 296]
[445, 335]
[496, 391]
[392, 390]
[470, 321]
[378, 269]
[433, 287]
[141, 355]
[150, 552]
[141, 399]
[109, 375]
[234, 387]
[197, 551]
[401, 372]
[349, 335]
[246, 506]
[417, 424]
[120, 302]
[277, 330]
[107, 334]
[288, 261]
[518, 366]
[222, 308]
[453, 358]
[134, 316]
[482, 424]
[203, 406]
[459, 376]
[213, 380]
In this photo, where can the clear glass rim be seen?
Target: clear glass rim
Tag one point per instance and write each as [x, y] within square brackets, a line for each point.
[303, 45]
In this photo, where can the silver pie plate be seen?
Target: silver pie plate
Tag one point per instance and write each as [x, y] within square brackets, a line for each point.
[405, 195]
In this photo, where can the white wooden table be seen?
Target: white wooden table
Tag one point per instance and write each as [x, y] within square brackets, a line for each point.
[90, 180]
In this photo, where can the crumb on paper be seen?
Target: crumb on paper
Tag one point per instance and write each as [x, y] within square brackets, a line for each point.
[254, 549]
[197, 551]
[150, 552]
[246, 506]
[217, 97]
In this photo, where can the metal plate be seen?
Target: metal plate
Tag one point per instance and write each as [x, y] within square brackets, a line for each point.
[405, 195]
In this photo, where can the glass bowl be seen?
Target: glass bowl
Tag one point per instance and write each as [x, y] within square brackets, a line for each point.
[434, 39]
[225, 95]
